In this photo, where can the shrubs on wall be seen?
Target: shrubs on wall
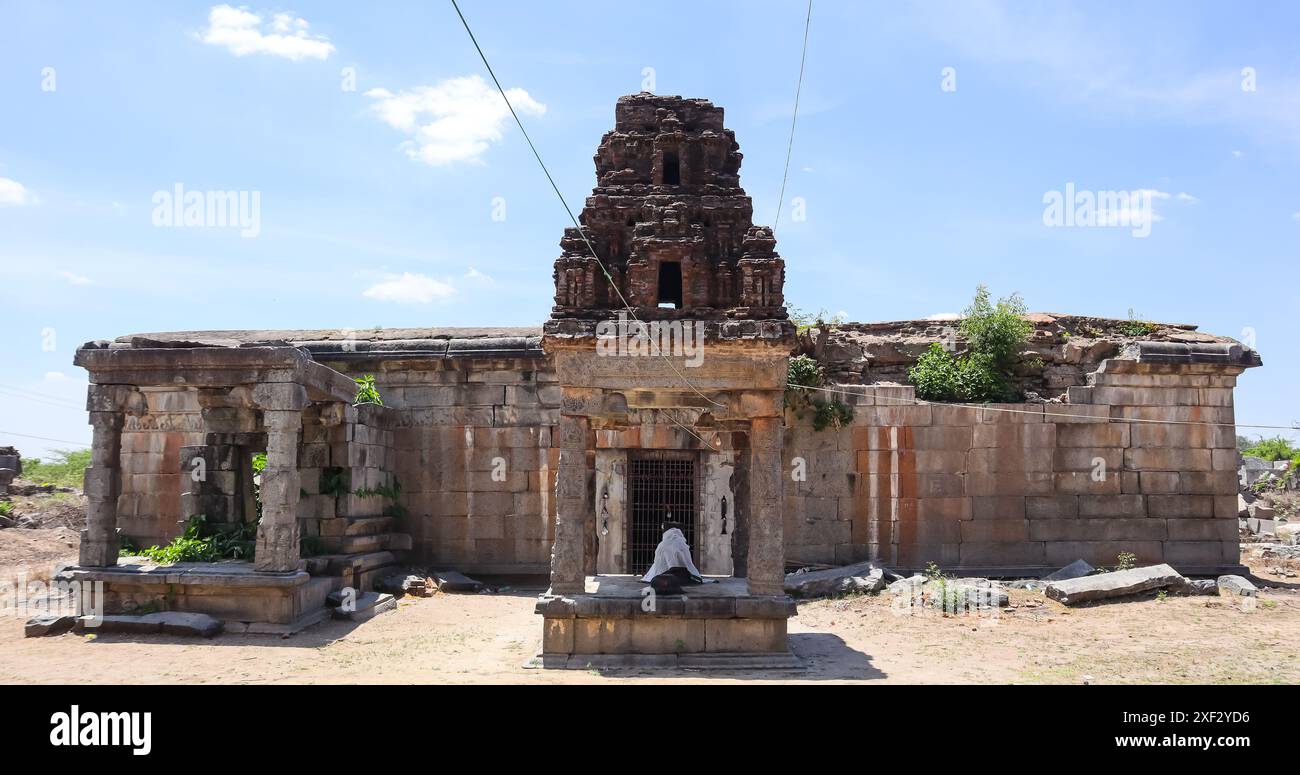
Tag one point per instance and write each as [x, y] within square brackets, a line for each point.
[803, 375]
[995, 335]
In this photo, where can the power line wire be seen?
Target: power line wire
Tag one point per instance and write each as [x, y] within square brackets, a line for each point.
[50, 402]
[44, 438]
[794, 117]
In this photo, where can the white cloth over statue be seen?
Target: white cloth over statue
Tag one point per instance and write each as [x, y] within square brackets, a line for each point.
[672, 552]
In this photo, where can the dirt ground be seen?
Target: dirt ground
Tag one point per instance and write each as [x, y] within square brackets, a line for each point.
[486, 638]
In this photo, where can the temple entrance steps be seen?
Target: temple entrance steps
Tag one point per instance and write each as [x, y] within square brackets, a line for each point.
[359, 550]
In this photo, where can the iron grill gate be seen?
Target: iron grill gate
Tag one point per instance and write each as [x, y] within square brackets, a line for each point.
[662, 486]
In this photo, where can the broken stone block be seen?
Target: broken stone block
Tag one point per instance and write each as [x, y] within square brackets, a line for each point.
[1288, 533]
[367, 606]
[1199, 587]
[453, 581]
[1236, 586]
[166, 622]
[1075, 570]
[978, 593]
[861, 577]
[186, 623]
[39, 626]
[1115, 584]
[403, 584]
[1259, 510]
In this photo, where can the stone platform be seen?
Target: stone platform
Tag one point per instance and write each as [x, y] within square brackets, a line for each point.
[713, 625]
[244, 599]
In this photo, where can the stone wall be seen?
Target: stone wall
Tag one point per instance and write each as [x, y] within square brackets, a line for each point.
[471, 447]
[149, 508]
[1116, 463]
[1024, 486]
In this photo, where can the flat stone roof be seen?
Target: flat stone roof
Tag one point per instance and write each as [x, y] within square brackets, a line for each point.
[345, 343]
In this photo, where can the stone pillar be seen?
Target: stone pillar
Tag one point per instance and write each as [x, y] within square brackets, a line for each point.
[277, 533]
[573, 502]
[765, 567]
[103, 484]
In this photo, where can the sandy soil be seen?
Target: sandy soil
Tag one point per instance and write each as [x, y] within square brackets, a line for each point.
[486, 638]
[36, 552]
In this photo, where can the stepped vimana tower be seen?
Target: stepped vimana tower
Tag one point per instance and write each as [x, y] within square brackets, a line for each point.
[670, 222]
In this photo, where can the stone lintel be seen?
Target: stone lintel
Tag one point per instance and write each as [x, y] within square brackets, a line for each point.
[214, 367]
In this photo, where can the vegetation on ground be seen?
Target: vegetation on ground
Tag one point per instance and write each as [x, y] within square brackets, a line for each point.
[201, 542]
[64, 468]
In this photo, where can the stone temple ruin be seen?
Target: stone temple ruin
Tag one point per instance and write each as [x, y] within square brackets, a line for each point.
[559, 451]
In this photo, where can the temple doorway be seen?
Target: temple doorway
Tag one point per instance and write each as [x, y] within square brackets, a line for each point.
[662, 487]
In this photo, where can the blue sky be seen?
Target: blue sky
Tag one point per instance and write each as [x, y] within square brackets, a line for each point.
[377, 203]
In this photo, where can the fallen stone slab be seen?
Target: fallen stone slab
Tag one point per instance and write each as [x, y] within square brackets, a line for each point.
[1121, 583]
[40, 626]
[1075, 570]
[1289, 533]
[1199, 587]
[976, 592]
[1030, 584]
[188, 624]
[860, 577]
[368, 605]
[454, 581]
[1236, 586]
[402, 584]
[909, 585]
[165, 622]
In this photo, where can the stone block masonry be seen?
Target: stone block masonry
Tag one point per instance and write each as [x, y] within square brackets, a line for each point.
[473, 438]
[1024, 487]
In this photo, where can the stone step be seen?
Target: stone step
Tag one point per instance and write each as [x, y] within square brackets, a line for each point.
[364, 543]
[367, 605]
[356, 526]
[353, 564]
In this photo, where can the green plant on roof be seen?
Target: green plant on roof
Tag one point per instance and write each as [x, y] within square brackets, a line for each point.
[367, 393]
[995, 334]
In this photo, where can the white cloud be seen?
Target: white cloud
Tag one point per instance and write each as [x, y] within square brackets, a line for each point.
[1187, 198]
[410, 288]
[474, 274]
[944, 316]
[76, 279]
[55, 376]
[13, 193]
[242, 32]
[452, 121]
[1238, 154]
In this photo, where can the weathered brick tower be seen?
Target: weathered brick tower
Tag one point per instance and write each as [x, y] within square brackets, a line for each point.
[670, 222]
[670, 412]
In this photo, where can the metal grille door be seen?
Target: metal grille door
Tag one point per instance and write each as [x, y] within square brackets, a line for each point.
[662, 487]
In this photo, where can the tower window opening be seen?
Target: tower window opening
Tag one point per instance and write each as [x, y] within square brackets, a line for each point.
[670, 285]
[672, 169]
